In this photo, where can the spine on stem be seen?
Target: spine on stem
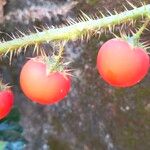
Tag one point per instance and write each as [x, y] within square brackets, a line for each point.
[74, 31]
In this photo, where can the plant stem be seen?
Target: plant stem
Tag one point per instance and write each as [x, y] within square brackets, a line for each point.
[74, 31]
[58, 58]
[60, 53]
[138, 34]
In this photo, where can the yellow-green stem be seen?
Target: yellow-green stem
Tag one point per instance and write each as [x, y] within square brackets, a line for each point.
[138, 34]
[58, 59]
[74, 31]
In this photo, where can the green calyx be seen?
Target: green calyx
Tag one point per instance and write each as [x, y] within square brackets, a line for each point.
[3, 86]
[53, 64]
[133, 41]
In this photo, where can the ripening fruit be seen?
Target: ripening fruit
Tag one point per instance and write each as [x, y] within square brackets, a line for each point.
[41, 86]
[6, 102]
[120, 64]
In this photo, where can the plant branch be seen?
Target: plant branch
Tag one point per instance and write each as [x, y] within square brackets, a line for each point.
[74, 31]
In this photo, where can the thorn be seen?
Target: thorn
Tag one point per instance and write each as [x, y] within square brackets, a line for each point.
[36, 29]
[25, 48]
[18, 51]
[133, 6]
[53, 27]
[122, 27]
[82, 19]
[133, 33]
[13, 36]
[20, 32]
[71, 21]
[110, 29]
[49, 27]
[35, 48]
[3, 40]
[116, 13]
[147, 29]
[103, 16]
[109, 12]
[10, 57]
[92, 17]
[29, 31]
[6, 35]
[96, 17]
[125, 7]
[6, 52]
[86, 17]
[44, 28]
[69, 74]
[143, 3]
[43, 54]
[114, 35]
[17, 35]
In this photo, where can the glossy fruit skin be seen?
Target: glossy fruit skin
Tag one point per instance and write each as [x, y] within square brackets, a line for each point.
[6, 102]
[120, 64]
[42, 87]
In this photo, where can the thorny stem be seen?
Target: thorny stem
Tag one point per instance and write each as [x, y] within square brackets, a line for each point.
[74, 31]
[60, 53]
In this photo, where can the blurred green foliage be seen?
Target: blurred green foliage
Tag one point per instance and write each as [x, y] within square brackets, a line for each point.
[11, 132]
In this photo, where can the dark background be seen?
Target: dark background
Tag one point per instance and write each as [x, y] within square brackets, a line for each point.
[94, 116]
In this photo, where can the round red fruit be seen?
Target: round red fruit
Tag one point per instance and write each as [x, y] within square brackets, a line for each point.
[120, 64]
[42, 86]
[6, 102]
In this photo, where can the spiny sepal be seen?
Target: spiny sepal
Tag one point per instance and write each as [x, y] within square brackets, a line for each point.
[53, 64]
[133, 40]
[3, 86]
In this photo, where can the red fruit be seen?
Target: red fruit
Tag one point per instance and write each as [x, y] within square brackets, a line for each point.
[6, 102]
[43, 87]
[120, 64]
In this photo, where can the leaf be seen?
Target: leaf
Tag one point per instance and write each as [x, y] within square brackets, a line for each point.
[2, 145]
[5, 126]
[10, 129]
[18, 145]
[11, 132]
[14, 116]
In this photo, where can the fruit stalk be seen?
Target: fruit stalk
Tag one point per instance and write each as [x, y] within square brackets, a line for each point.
[138, 34]
[58, 59]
